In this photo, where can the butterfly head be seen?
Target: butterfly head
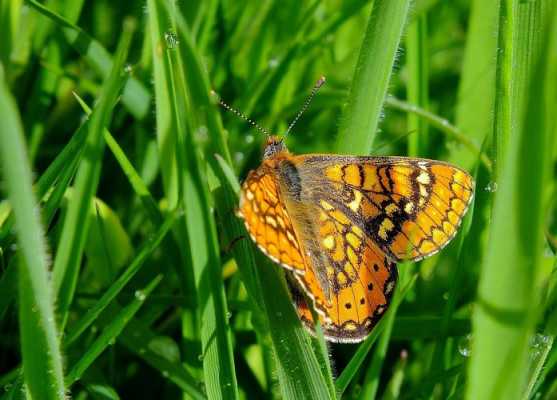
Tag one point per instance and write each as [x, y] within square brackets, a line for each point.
[274, 145]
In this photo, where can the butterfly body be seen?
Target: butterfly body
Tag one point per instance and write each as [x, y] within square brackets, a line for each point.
[338, 224]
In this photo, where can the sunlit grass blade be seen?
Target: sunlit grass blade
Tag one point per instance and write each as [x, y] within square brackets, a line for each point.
[417, 64]
[42, 360]
[371, 79]
[111, 332]
[134, 96]
[72, 240]
[476, 91]
[507, 296]
[193, 190]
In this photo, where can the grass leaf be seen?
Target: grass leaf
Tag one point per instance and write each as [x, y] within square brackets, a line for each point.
[42, 359]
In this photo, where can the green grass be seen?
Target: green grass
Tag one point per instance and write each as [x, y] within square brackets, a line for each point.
[124, 272]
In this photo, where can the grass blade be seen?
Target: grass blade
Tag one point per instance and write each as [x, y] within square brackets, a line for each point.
[76, 223]
[371, 78]
[42, 360]
[418, 82]
[504, 317]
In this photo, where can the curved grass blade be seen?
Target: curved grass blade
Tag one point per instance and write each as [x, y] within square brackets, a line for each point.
[371, 77]
[42, 360]
[76, 223]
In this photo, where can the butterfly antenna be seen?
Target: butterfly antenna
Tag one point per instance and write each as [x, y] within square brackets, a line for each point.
[316, 87]
[240, 115]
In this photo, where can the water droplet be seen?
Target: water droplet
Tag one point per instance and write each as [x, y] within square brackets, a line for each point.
[128, 69]
[491, 187]
[228, 316]
[111, 342]
[165, 373]
[171, 39]
[7, 387]
[202, 134]
[238, 156]
[13, 247]
[539, 344]
[465, 346]
[139, 295]
[273, 62]
[200, 357]
[249, 139]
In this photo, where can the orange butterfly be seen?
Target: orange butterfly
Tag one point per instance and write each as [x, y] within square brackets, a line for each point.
[339, 224]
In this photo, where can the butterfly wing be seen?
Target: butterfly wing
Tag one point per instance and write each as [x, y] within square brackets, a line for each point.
[360, 278]
[410, 208]
[267, 220]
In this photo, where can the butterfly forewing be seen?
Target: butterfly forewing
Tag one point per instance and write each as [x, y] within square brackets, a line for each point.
[410, 208]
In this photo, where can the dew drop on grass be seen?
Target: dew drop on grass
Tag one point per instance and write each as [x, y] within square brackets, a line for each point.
[228, 316]
[273, 62]
[200, 357]
[171, 39]
[7, 387]
[538, 345]
[139, 295]
[238, 156]
[165, 373]
[491, 187]
[465, 346]
[128, 69]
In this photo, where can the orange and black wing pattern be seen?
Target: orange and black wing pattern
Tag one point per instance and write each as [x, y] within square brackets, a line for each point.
[410, 208]
[267, 220]
[360, 277]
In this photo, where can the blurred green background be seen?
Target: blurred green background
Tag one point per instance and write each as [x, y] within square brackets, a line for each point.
[122, 269]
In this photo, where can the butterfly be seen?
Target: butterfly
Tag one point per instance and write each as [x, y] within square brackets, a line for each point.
[339, 224]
